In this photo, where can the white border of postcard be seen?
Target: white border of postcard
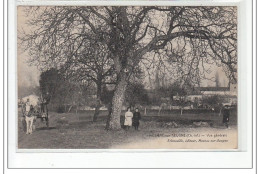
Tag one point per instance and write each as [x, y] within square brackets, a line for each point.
[152, 158]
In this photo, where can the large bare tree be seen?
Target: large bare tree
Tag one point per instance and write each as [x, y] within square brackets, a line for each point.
[196, 35]
[91, 63]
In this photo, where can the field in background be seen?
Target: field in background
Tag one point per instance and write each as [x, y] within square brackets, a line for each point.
[76, 131]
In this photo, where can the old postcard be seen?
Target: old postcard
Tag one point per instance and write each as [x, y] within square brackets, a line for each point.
[127, 77]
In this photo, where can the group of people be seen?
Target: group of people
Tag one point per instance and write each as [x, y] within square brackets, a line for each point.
[132, 119]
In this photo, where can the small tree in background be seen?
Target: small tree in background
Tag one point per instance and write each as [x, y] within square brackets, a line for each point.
[179, 92]
[213, 101]
[59, 91]
[136, 95]
[49, 81]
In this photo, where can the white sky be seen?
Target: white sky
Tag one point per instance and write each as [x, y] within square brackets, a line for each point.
[27, 75]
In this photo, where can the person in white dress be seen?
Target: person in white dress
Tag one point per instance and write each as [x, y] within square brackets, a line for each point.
[128, 118]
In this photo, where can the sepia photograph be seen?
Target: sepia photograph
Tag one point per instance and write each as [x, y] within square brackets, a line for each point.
[127, 77]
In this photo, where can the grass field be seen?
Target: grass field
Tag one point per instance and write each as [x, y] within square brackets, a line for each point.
[76, 131]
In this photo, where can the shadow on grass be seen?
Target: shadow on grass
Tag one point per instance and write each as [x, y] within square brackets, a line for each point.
[85, 125]
[46, 128]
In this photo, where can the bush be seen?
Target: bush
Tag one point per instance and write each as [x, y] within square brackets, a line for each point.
[61, 109]
[212, 101]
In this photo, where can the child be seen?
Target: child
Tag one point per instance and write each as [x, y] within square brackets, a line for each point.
[128, 118]
[136, 118]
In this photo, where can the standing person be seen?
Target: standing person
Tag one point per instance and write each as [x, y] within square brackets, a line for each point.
[43, 101]
[23, 115]
[128, 118]
[29, 117]
[41, 106]
[136, 118]
[226, 114]
[27, 106]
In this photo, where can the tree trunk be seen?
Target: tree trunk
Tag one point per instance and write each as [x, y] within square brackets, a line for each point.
[117, 103]
[109, 107]
[98, 102]
[97, 109]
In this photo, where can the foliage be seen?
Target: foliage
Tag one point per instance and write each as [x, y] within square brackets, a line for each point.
[178, 93]
[136, 94]
[49, 81]
[107, 95]
[213, 101]
[60, 91]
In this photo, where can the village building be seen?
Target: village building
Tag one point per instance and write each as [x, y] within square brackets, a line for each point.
[228, 94]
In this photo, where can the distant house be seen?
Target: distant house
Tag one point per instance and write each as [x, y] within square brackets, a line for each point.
[208, 91]
[229, 94]
[193, 98]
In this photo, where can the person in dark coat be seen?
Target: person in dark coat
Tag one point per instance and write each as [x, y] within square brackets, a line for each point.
[136, 118]
[226, 114]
